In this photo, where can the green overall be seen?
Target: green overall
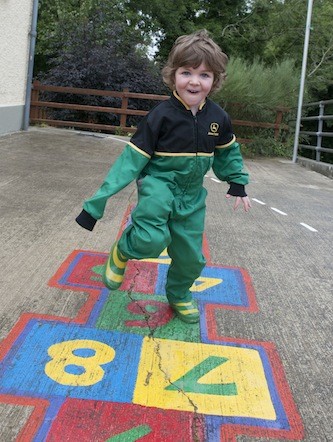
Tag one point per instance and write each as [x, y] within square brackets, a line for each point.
[169, 171]
[172, 217]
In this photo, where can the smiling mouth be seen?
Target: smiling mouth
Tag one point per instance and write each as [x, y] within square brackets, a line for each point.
[192, 91]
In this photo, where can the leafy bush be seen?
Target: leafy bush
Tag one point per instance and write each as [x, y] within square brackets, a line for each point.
[87, 61]
[257, 84]
[253, 92]
[263, 144]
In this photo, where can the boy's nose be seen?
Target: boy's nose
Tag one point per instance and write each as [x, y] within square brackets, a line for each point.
[194, 80]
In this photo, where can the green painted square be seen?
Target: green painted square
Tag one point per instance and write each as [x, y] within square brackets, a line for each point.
[148, 315]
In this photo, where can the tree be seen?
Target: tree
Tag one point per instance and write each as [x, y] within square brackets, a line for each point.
[320, 63]
[266, 30]
[59, 18]
[166, 20]
[222, 20]
[273, 30]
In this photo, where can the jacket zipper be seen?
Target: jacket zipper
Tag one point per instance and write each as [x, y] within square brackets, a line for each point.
[196, 144]
[196, 134]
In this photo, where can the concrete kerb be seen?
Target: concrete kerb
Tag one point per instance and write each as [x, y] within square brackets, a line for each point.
[317, 166]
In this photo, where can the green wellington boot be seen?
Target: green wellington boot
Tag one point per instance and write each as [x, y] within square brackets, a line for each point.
[186, 311]
[114, 269]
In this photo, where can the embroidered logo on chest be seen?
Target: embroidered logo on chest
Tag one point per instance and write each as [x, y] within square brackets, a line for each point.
[214, 129]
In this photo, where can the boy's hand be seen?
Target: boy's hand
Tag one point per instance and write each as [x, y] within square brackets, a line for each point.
[241, 199]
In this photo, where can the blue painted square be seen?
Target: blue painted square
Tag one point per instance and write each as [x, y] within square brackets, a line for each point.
[231, 291]
[22, 372]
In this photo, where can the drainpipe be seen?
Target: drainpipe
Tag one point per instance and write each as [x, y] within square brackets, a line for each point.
[32, 34]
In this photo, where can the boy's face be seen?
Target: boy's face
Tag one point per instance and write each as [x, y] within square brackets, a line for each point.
[193, 85]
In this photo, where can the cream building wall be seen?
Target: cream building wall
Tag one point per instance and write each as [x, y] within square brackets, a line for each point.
[15, 26]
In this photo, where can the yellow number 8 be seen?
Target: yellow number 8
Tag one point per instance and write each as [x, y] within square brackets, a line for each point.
[83, 368]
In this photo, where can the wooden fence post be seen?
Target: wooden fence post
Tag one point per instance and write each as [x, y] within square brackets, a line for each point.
[34, 110]
[124, 105]
[278, 121]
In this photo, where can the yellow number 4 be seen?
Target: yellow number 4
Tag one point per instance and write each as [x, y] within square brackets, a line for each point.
[78, 362]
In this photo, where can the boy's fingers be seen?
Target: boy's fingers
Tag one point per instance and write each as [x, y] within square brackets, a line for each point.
[238, 200]
[245, 200]
[247, 204]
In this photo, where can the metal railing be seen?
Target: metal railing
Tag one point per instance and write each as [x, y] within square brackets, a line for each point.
[320, 133]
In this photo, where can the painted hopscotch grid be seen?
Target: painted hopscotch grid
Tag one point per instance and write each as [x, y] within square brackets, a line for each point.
[126, 356]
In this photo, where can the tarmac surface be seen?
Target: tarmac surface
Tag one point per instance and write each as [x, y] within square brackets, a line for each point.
[284, 243]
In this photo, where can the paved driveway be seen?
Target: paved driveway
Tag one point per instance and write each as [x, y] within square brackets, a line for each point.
[281, 252]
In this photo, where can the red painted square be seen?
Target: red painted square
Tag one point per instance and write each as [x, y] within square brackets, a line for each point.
[86, 421]
[83, 273]
[140, 277]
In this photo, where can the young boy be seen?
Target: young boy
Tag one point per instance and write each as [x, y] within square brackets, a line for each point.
[173, 148]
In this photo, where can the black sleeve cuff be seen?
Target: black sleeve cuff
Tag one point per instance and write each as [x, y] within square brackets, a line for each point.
[86, 220]
[237, 190]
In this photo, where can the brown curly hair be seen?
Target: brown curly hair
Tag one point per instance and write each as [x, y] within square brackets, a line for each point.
[192, 50]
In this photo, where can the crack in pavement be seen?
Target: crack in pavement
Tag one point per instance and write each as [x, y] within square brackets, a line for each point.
[196, 423]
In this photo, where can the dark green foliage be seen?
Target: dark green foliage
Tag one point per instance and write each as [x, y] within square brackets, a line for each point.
[265, 145]
[253, 92]
[87, 61]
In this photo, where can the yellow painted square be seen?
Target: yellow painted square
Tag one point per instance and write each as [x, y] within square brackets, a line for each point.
[164, 361]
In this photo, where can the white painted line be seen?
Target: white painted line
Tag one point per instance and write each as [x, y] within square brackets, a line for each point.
[216, 180]
[308, 227]
[312, 229]
[259, 202]
[278, 211]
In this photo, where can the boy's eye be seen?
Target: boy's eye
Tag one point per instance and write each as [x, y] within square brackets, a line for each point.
[205, 75]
